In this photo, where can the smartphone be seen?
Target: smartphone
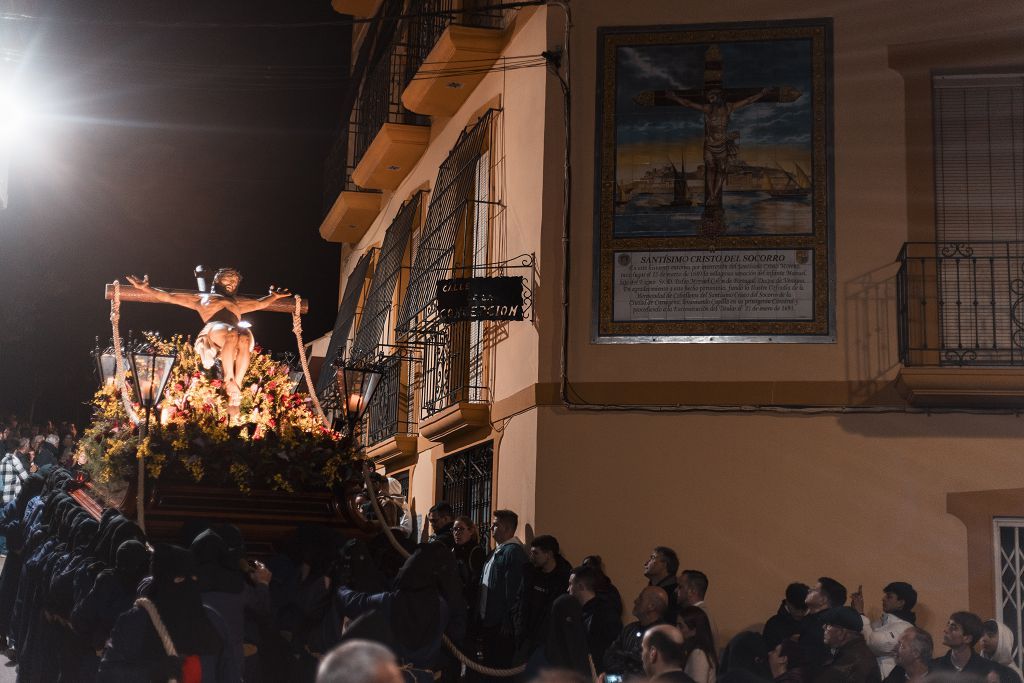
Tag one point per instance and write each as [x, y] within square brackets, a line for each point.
[613, 678]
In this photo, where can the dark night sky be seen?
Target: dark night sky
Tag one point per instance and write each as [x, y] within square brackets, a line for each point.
[162, 148]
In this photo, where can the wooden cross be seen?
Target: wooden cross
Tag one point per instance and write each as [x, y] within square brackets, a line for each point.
[225, 337]
[130, 293]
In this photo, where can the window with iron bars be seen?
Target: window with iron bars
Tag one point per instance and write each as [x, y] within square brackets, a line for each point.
[454, 368]
[454, 242]
[466, 481]
[1009, 597]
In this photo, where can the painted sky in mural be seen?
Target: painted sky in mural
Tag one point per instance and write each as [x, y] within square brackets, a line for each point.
[660, 148]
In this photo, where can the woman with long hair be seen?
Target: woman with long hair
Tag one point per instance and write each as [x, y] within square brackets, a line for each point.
[698, 644]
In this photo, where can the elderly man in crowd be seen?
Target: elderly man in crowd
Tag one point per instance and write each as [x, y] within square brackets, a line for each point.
[623, 656]
[913, 657]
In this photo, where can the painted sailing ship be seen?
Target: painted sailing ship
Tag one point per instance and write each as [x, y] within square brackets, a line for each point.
[796, 185]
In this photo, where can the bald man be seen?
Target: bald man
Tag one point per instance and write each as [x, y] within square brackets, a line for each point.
[623, 655]
[662, 655]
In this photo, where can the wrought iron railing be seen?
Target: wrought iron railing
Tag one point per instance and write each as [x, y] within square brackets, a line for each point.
[960, 304]
[340, 162]
[389, 413]
[434, 16]
[380, 100]
[453, 368]
[466, 479]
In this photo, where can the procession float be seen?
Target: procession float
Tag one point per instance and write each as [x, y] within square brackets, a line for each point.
[215, 428]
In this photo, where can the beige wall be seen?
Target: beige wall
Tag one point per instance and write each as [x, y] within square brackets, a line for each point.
[758, 501]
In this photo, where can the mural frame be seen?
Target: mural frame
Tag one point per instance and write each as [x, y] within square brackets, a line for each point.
[715, 207]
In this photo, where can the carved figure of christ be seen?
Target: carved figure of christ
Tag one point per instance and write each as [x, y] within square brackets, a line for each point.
[221, 309]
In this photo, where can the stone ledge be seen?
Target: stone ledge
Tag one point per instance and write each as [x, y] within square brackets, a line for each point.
[456, 420]
[962, 387]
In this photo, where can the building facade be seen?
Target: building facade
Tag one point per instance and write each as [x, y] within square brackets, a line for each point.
[886, 450]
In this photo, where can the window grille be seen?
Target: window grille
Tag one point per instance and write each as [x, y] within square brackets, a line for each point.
[445, 225]
[979, 202]
[466, 484]
[1009, 598]
[454, 361]
[388, 414]
[377, 308]
[343, 323]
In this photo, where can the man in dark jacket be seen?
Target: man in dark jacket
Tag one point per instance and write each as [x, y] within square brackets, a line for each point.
[852, 660]
[823, 595]
[601, 620]
[442, 518]
[623, 656]
[662, 653]
[913, 657]
[545, 577]
[961, 636]
[660, 570]
[786, 621]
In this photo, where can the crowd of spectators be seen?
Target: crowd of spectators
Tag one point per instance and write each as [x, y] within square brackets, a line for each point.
[86, 599]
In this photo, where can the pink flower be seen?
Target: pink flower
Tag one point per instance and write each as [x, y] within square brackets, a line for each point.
[216, 383]
[271, 385]
[257, 349]
[178, 386]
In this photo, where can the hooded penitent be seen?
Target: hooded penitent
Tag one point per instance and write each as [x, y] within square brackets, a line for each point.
[416, 610]
[214, 577]
[175, 592]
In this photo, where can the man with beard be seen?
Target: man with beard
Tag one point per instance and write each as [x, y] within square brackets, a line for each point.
[172, 605]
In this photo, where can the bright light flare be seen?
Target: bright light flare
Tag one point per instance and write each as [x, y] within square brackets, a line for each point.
[18, 114]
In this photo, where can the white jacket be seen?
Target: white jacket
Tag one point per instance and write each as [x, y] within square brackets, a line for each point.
[881, 636]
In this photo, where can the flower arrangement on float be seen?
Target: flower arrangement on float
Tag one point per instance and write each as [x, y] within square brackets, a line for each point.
[276, 442]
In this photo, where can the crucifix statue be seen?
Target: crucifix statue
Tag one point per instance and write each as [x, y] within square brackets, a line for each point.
[225, 336]
[717, 104]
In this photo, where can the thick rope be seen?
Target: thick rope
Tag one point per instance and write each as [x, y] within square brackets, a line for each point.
[158, 625]
[297, 329]
[463, 658]
[119, 383]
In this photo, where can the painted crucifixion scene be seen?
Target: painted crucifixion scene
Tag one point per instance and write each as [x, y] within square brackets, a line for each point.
[713, 139]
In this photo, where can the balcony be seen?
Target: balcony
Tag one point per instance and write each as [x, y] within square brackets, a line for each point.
[390, 432]
[454, 399]
[350, 209]
[961, 323]
[387, 139]
[451, 52]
